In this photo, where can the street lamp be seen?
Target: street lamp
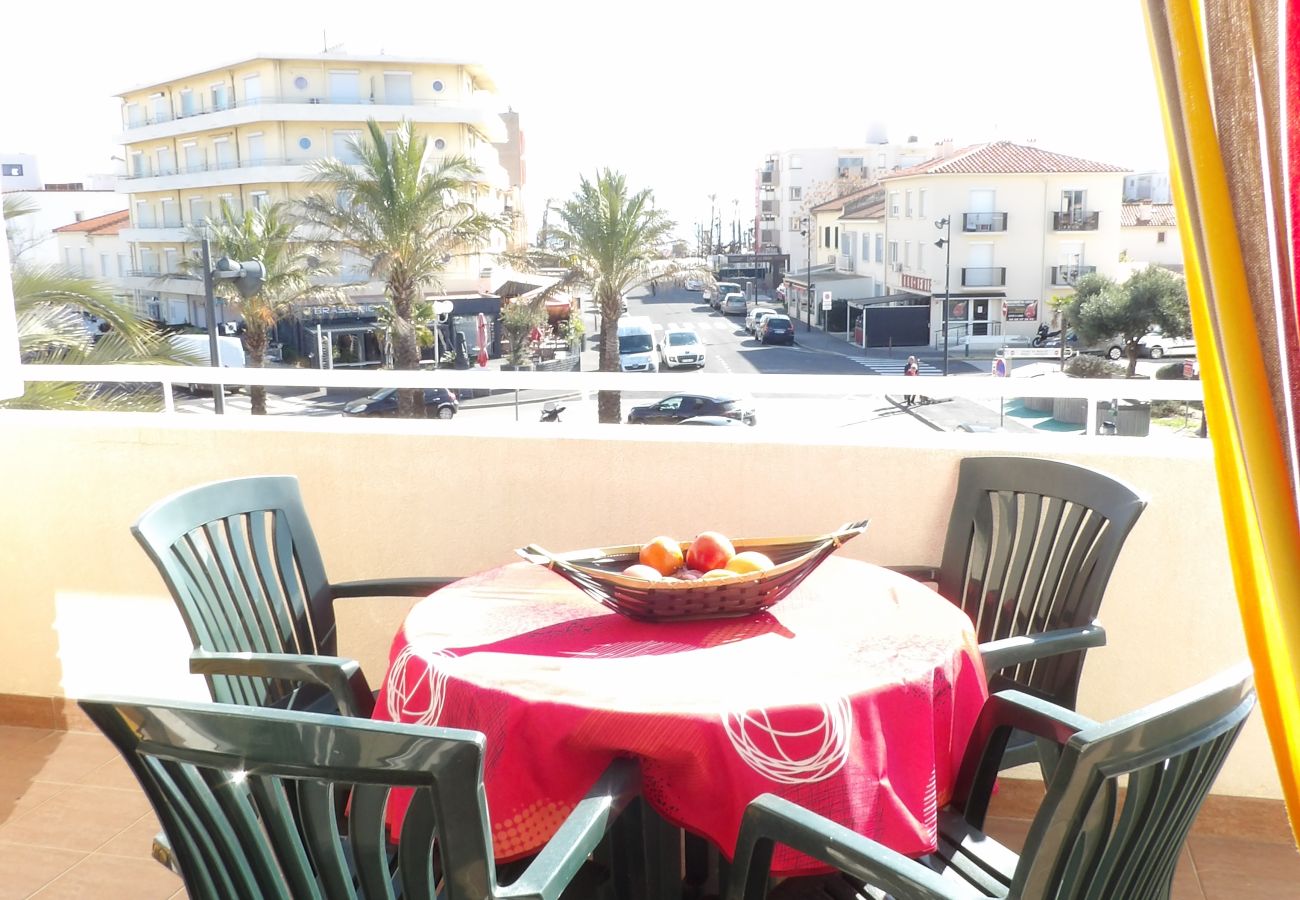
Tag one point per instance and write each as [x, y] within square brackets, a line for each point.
[807, 231]
[247, 278]
[945, 243]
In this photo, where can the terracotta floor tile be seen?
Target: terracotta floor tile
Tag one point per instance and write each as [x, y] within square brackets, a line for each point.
[115, 774]
[25, 870]
[1245, 870]
[64, 756]
[13, 736]
[135, 840]
[112, 878]
[19, 795]
[1010, 833]
[79, 818]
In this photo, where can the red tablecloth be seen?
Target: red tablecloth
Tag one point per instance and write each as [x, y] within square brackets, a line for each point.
[854, 696]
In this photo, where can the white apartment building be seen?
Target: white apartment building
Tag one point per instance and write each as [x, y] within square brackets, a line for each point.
[246, 133]
[1149, 235]
[1154, 187]
[1025, 225]
[95, 248]
[31, 237]
[790, 182]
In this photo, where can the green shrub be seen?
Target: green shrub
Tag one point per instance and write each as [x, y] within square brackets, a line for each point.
[1085, 366]
[1171, 372]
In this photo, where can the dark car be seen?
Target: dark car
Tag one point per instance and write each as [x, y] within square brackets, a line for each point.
[776, 330]
[439, 403]
[679, 407]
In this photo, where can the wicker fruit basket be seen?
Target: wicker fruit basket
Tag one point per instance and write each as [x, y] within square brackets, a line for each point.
[598, 571]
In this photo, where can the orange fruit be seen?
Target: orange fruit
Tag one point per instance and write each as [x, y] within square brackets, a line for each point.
[646, 572]
[662, 554]
[716, 574]
[749, 561]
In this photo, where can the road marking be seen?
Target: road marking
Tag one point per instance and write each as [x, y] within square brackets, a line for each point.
[885, 366]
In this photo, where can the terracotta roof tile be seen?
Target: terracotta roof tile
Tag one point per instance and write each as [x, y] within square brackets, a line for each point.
[838, 202]
[1003, 158]
[1156, 214]
[109, 223]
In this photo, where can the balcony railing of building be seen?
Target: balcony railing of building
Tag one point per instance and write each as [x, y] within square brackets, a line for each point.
[1066, 275]
[159, 118]
[159, 271]
[984, 276]
[224, 165]
[769, 176]
[1075, 220]
[984, 221]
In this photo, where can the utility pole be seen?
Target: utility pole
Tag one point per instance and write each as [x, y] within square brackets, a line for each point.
[712, 203]
[945, 244]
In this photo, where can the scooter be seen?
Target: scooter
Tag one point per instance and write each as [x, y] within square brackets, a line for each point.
[551, 412]
[1044, 337]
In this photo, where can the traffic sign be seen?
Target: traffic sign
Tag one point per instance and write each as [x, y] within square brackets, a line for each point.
[1042, 352]
[1000, 367]
[826, 299]
[1189, 370]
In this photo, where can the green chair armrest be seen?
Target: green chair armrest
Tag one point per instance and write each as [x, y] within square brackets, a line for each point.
[769, 820]
[919, 573]
[1013, 651]
[1004, 712]
[389, 587]
[551, 871]
[342, 677]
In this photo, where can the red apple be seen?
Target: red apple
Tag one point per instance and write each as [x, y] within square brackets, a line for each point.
[710, 550]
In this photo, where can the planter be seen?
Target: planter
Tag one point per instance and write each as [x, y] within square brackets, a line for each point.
[1039, 404]
[522, 367]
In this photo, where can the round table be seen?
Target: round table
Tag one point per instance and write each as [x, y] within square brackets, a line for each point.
[854, 696]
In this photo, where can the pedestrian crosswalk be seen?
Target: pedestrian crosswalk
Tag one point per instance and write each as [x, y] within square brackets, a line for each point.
[887, 366]
[729, 325]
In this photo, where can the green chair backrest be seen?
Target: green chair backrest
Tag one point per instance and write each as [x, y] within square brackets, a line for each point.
[241, 561]
[249, 801]
[1125, 792]
[1030, 548]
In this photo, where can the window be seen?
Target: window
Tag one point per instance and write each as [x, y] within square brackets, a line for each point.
[920, 203]
[193, 157]
[103, 265]
[345, 86]
[907, 204]
[123, 263]
[907, 253]
[438, 87]
[134, 115]
[866, 248]
[160, 107]
[256, 148]
[137, 164]
[304, 143]
[796, 224]
[826, 238]
[149, 262]
[69, 258]
[171, 217]
[14, 169]
[893, 204]
[260, 199]
[198, 210]
[225, 153]
[880, 161]
[893, 251]
[1074, 201]
[1160, 237]
[796, 161]
[189, 104]
[848, 241]
[796, 192]
[227, 201]
[397, 88]
[344, 151]
[172, 258]
[880, 247]
[920, 254]
[143, 214]
[252, 89]
[220, 96]
[166, 164]
[837, 237]
[439, 144]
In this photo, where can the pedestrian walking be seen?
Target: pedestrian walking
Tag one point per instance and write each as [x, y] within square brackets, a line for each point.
[913, 368]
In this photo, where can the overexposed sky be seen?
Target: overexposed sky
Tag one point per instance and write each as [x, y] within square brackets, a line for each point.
[685, 97]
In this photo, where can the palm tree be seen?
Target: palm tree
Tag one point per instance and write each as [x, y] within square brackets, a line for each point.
[50, 309]
[613, 236]
[405, 213]
[288, 264]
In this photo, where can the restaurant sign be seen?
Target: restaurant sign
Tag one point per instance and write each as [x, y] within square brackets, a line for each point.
[1019, 310]
[915, 283]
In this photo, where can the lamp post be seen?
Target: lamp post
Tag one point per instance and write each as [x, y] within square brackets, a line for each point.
[807, 230]
[247, 278]
[945, 243]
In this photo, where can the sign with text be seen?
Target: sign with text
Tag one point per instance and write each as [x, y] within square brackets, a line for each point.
[1019, 310]
[915, 283]
[826, 299]
[1039, 352]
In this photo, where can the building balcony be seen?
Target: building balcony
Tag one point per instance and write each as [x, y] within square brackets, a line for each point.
[984, 221]
[1068, 275]
[89, 613]
[481, 115]
[769, 176]
[986, 276]
[1075, 220]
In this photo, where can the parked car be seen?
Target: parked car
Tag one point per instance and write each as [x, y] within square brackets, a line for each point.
[636, 345]
[694, 284]
[721, 290]
[776, 329]
[1157, 345]
[756, 316]
[439, 403]
[710, 420]
[680, 407]
[681, 347]
[733, 304]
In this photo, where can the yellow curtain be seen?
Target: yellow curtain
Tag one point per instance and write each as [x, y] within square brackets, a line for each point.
[1224, 94]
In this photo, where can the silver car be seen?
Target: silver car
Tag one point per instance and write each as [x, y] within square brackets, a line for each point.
[733, 305]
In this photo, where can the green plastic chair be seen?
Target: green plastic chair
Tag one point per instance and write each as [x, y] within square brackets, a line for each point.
[250, 800]
[242, 564]
[1030, 548]
[1113, 822]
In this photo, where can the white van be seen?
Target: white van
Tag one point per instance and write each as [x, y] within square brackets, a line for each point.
[636, 345]
[229, 350]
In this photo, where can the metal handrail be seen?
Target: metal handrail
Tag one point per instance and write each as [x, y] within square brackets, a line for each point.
[296, 101]
[984, 276]
[1070, 274]
[984, 221]
[1076, 220]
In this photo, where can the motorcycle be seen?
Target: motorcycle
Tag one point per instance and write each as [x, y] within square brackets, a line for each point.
[1045, 335]
[551, 412]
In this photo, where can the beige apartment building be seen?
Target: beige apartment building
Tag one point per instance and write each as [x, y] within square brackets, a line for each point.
[1025, 224]
[246, 133]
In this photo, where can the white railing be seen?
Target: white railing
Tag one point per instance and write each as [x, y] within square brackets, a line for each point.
[973, 387]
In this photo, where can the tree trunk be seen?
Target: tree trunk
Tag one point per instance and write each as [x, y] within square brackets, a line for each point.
[609, 404]
[1131, 347]
[406, 349]
[255, 344]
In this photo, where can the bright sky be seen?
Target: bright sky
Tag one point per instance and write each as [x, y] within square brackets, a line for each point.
[685, 96]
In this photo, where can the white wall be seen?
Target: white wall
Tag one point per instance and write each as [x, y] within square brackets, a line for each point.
[1141, 244]
[54, 209]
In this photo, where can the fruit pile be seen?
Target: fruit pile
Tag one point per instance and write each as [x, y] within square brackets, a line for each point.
[710, 556]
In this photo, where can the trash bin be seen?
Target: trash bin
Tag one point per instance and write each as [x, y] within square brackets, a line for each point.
[1133, 419]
